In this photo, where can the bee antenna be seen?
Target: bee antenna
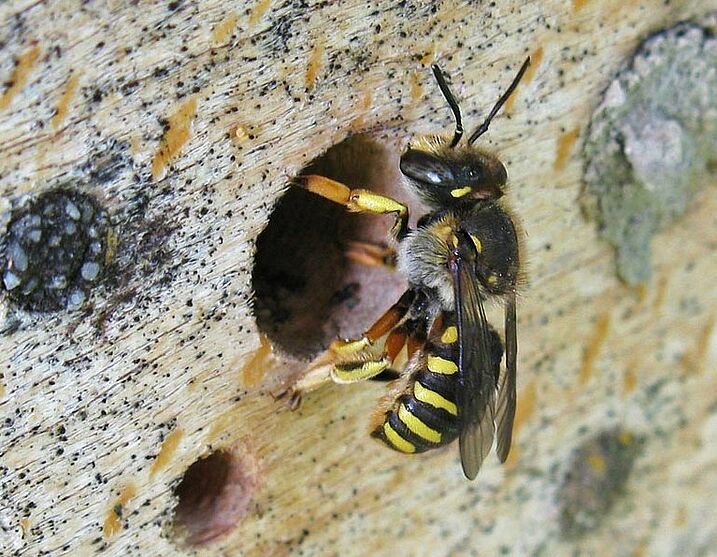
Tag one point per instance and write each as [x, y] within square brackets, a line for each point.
[501, 101]
[452, 103]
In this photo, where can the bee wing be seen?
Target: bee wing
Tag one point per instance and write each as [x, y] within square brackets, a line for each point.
[505, 409]
[476, 385]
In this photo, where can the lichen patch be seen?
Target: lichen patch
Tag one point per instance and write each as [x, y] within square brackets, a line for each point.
[651, 142]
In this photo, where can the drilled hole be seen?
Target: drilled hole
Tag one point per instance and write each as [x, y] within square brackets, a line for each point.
[306, 291]
[215, 493]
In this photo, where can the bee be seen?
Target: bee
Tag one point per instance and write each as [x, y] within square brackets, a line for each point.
[462, 254]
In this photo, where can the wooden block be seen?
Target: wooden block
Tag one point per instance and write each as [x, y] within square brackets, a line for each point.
[186, 122]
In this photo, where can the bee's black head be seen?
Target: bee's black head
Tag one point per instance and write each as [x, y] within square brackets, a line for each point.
[444, 174]
[447, 176]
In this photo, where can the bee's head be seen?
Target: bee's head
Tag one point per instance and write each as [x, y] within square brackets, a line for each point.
[446, 176]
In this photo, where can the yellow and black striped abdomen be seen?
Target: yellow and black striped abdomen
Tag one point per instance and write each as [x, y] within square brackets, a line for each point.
[426, 416]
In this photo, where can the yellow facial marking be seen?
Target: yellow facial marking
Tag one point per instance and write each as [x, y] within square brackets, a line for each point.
[460, 192]
[434, 399]
[450, 335]
[477, 243]
[436, 364]
[417, 426]
[347, 373]
[454, 240]
[398, 442]
[492, 279]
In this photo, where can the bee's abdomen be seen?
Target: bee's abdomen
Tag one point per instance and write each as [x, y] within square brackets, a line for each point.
[426, 415]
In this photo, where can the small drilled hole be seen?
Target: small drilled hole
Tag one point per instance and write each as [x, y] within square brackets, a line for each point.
[306, 291]
[214, 495]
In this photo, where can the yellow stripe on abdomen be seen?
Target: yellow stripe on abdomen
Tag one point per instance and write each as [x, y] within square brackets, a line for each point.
[436, 364]
[417, 426]
[432, 398]
[450, 335]
[398, 442]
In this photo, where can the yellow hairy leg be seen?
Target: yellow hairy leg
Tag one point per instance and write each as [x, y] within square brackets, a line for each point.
[356, 200]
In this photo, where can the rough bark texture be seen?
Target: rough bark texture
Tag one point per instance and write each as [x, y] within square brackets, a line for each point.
[185, 122]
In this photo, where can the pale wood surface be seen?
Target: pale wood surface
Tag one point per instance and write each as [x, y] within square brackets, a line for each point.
[95, 83]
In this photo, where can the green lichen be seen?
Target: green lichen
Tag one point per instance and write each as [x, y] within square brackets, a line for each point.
[595, 479]
[652, 143]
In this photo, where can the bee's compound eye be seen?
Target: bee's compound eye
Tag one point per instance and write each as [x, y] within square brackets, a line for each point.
[474, 173]
[433, 177]
[425, 167]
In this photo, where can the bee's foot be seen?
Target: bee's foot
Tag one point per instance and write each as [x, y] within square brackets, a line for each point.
[291, 396]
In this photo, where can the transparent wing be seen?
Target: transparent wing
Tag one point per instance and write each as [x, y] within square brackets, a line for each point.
[505, 408]
[476, 390]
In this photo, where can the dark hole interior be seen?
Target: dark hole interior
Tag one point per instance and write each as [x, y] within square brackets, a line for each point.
[213, 496]
[306, 291]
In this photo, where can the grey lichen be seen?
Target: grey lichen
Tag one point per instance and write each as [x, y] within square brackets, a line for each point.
[52, 251]
[652, 142]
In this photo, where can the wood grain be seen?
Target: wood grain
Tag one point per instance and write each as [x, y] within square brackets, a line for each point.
[187, 120]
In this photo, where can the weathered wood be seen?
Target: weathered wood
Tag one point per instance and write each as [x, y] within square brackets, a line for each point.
[186, 122]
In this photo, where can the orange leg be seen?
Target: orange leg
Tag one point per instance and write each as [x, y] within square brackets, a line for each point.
[360, 369]
[395, 342]
[371, 255]
[348, 361]
[411, 334]
[381, 327]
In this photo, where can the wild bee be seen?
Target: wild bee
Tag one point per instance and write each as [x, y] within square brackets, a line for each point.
[461, 254]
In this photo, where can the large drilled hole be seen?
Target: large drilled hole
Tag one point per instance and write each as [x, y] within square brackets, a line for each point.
[214, 495]
[307, 291]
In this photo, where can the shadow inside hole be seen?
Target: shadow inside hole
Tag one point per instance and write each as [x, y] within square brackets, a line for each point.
[307, 292]
[214, 495]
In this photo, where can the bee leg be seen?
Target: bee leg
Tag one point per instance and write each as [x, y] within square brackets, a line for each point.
[417, 337]
[347, 372]
[343, 349]
[410, 334]
[414, 339]
[358, 200]
[387, 375]
[309, 381]
[352, 372]
[370, 254]
[326, 369]
[323, 368]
